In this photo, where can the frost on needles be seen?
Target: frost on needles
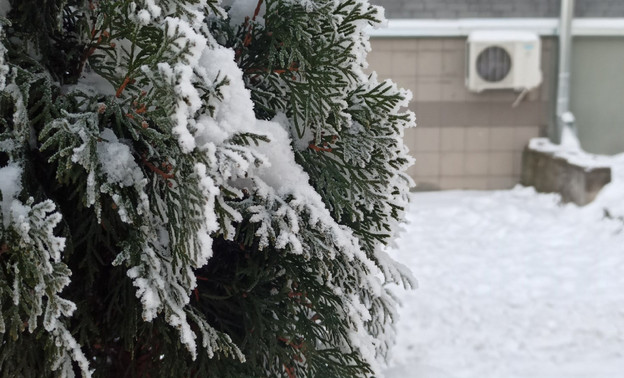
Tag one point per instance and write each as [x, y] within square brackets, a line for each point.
[196, 188]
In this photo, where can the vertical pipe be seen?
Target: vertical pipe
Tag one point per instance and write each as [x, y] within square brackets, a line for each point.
[565, 119]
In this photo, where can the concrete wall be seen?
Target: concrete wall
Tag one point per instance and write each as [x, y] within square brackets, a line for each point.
[436, 9]
[597, 98]
[464, 140]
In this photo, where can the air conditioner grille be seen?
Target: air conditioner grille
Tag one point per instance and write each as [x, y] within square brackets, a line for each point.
[493, 64]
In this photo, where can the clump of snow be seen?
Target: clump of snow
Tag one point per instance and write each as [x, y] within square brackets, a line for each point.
[569, 140]
[150, 10]
[234, 111]
[186, 36]
[144, 17]
[10, 187]
[610, 197]
[117, 160]
[282, 173]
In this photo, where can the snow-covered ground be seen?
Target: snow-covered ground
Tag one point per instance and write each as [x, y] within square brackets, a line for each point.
[512, 284]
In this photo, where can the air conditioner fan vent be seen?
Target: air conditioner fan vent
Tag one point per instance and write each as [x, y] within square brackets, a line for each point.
[493, 64]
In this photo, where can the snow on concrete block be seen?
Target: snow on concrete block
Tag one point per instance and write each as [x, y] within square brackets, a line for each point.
[576, 175]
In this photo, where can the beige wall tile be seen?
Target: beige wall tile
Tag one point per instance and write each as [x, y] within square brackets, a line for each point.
[430, 44]
[476, 163]
[452, 164]
[485, 96]
[452, 182]
[427, 115]
[422, 139]
[452, 139]
[406, 82]
[477, 139]
[528, 113]
[453, 113]
[429, 64]
[533, 95]
[427, 164]
[522, 135]
[406, 44]
[375, 59]
[404, 63]
[475, 183]
[382, 44]
[454, 44]
[381, 62]
[500, 164]
[503, 115]
[501, 182]
[463, 182]
[453, 89]
[477, 114]
[503, 96]
[501, 139]
[428, 91]
[453, 65]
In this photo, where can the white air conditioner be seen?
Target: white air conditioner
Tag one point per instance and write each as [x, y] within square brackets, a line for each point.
[503, 59]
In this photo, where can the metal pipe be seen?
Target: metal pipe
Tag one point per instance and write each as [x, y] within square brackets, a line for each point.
[565, 118]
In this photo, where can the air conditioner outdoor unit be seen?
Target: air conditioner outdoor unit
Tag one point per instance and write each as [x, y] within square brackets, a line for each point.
[503, 59]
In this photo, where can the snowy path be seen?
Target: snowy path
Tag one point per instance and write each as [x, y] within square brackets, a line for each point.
[511, 284]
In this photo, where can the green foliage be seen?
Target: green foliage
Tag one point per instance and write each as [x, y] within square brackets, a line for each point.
[150, 231]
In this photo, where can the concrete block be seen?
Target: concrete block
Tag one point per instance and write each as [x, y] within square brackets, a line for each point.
[552, 174]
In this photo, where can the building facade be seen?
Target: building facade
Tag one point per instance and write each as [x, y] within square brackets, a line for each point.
[469, 140]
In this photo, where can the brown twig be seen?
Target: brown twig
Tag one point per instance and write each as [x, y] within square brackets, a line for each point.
[247, 39]
[142, 109]
[290, 371]
[318, 149]
[122, 86]
[165, 175]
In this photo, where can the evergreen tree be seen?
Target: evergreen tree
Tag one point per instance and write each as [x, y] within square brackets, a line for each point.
[195, 188]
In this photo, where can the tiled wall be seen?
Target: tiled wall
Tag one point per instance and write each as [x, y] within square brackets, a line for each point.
[464, 140]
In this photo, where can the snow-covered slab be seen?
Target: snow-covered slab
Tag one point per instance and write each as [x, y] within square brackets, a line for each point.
[573, 156]
[577, 175]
